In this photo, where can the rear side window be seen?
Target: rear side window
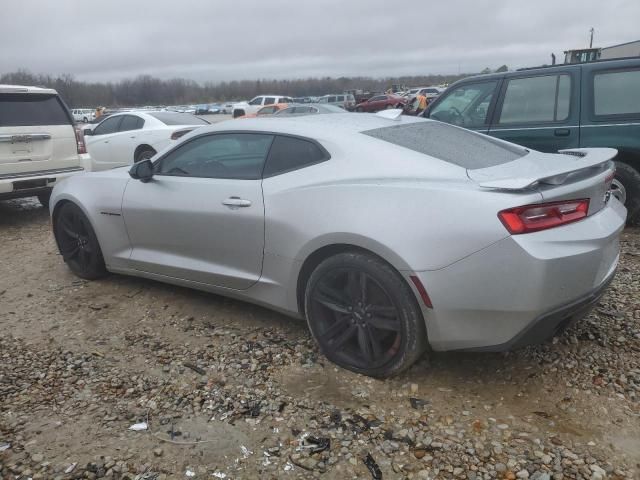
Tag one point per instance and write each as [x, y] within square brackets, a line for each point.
[451, 144]
[616, 93]
[543, 98]
[129, 122]
[290, 153]
[332, 99]
[24, 109]
[269, 101]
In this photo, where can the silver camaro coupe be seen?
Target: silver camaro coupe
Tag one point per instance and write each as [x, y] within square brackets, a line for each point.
[390, 235]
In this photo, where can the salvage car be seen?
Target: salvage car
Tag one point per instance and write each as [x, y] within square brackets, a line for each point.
[380, 230]
[39, 144]
[551, 108]
[125, 138]
[381, 102]
[252, 106]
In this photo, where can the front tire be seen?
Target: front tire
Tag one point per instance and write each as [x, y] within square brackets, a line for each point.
[85, 120]
[626, 188]
[364, 316]
[78, 243]
[44, 198]
[145, 155]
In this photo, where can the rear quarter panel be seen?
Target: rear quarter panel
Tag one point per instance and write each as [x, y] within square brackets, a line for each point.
[417, 213]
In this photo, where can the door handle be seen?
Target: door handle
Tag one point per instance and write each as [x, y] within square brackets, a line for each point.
[236, 202]
[561, 132]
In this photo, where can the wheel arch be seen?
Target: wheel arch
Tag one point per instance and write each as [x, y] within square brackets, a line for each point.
[141, 148]
[321, 253]
[630, 156]
[55, 211]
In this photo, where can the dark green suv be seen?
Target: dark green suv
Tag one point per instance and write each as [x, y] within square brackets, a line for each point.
[563, 106]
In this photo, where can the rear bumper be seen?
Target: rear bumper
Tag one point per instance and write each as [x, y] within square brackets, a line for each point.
[552, 323]
[524, 288]
[27, 184]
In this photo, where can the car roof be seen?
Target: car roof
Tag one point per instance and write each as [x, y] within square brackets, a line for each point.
[26, 89]
[336, 126]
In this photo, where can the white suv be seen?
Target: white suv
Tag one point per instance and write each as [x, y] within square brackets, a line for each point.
[84, 115]
[39, 144]
[248, 108]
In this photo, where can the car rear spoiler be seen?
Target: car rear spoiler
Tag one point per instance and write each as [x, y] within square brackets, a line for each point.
[535, 168]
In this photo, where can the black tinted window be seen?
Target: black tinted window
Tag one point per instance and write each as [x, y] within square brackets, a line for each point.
[23, 109]
[175, 118]
[544, 98]
[269, 101]
[617, 93]
[129, 122]
[234, 155]
[288, 153]
[451, 144]
[110, 125]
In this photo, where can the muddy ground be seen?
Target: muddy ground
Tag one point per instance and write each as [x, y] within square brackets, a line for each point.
[231, 390]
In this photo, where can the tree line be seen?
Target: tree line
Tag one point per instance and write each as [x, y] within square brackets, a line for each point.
[147, 90]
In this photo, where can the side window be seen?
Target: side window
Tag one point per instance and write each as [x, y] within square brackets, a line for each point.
[289, 153]
[269, 100]
[340, 98]
[110, 125]
[616, 93]
[323, 100]
[543, 98]
[233, 155]
[256, 101]
[130, 122]
[332, 99]
[466, 105]
[266, 110]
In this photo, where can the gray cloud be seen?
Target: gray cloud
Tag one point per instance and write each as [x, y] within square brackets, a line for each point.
[246, 39]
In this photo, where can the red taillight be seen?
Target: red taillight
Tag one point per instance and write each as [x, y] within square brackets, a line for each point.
[82, 148]
[179, 133]
[533, 218]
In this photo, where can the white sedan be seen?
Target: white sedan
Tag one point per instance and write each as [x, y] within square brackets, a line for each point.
[129, 137]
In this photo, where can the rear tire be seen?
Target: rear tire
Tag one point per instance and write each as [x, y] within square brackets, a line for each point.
[145, 155]
[626, 186]
[364, 316]
[238, 113]
[78, 243]
[44, 198]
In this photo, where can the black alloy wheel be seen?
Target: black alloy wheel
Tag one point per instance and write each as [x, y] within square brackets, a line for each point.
[364, 316]
[78, 243]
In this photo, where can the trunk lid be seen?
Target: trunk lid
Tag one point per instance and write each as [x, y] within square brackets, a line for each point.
[568, 175]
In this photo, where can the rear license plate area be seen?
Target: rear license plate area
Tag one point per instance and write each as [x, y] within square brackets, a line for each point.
[29, 184]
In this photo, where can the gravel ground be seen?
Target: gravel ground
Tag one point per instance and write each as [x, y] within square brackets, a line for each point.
[230, 390]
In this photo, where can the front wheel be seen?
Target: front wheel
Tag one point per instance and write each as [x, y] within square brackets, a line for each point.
[44, 198]
[626, 188]
[78, 243]
[364, 316]
[145, 155]
[85, 120]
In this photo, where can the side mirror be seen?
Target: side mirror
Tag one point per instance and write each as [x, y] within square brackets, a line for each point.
[142, 171]
[87, 132]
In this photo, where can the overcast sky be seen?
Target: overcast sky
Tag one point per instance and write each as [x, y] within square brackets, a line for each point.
[246, 39]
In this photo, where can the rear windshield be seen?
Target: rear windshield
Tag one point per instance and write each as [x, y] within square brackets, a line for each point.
[175, 118]
[451, 144]
[32, 109]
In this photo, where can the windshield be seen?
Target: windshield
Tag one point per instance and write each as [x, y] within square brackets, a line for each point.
[174, 118]
[454, 145]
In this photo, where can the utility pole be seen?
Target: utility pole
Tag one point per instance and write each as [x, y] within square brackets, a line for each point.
[591, 41]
